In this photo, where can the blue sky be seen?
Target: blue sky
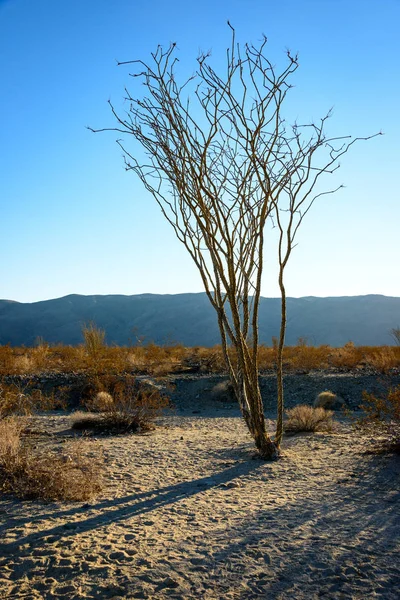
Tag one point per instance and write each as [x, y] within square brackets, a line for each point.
[73, 221]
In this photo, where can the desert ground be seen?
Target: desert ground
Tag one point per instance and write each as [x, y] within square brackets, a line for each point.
[188, 511]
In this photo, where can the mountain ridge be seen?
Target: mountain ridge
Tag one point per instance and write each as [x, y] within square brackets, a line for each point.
[190, 319]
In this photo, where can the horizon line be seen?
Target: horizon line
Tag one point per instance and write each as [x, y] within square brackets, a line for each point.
[187, 294]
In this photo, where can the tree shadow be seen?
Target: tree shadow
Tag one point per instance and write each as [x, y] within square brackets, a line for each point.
[345, 541]
[120, 509]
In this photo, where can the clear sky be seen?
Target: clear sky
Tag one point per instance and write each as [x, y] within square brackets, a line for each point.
[73, 221]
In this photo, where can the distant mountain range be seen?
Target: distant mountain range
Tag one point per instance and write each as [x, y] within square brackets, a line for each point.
[190, 319]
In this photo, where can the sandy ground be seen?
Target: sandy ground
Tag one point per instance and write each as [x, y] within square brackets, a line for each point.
[187, 512]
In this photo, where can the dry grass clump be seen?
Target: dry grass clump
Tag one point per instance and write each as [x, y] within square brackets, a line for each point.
[307, 418]
[94, 338]
[384, 359]
[10, 438]
[102, 402]
[329, 400]
[72, 476]
[126, 407]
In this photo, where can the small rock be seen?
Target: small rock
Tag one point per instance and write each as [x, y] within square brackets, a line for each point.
[169, 582]
[231, 484]
[118, 555]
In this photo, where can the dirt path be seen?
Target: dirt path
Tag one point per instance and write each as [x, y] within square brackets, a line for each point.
[188, 513]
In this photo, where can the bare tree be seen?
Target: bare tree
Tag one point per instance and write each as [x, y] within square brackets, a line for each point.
[220, 160]
[395, 333]
[295, 200]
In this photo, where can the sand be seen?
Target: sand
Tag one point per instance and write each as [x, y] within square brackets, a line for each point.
[188, 512]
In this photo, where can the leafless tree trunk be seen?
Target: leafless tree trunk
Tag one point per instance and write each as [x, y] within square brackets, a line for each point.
[219, 158]
[294, 203]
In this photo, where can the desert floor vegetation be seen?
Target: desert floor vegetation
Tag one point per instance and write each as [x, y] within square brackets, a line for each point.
[73, 471]
[122, 406]
[154, 360]
[381, 417]
[43, 472]
[25, 398]
[179, 505]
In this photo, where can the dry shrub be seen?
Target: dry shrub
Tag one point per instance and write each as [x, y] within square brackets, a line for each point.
[192, 359]
[25, 399]
[23, 365]
[384, 359]
[382, 417]
[157, 360]
[93, 356]
[72, 476]
[108, 360]
[267, 357]
[307, 418]
[133, 406]
[107, 423]
[13, 400]
[154, 360]
[6, 360]
[213, 359]
[207, 360]
[384, 409]
[348, 357]
[395, 333]
[161, 360]
[68, 359]
[40, 357]
[96, 357]
[304, 358]
[177, 352]
[86, 421]
[134, 361]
